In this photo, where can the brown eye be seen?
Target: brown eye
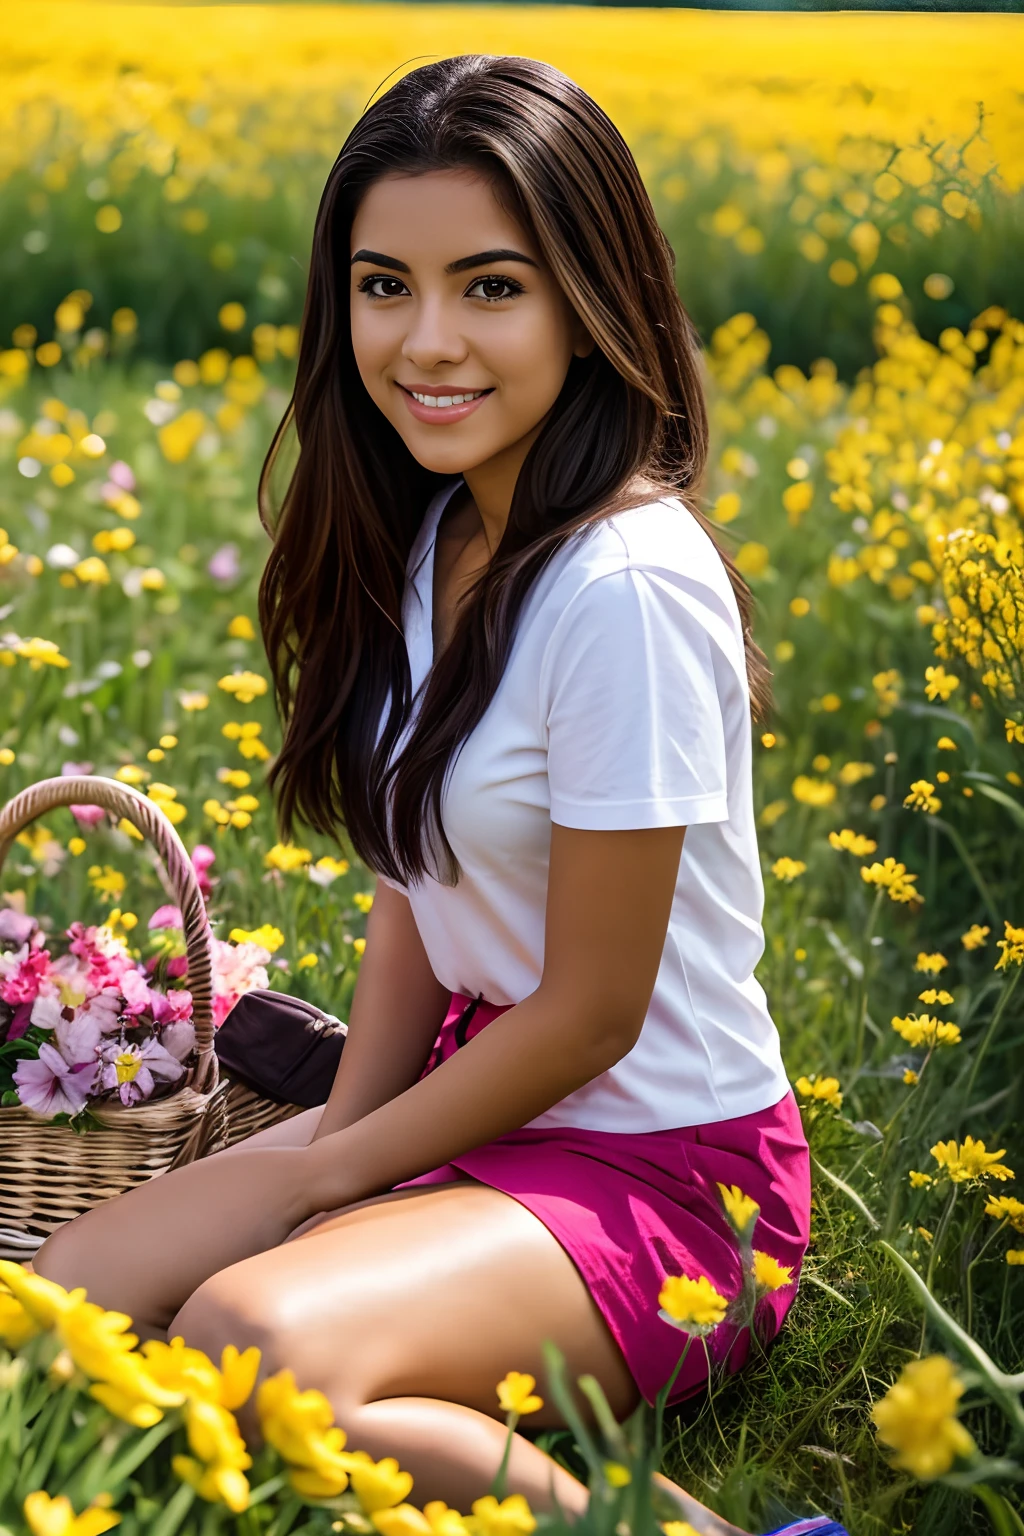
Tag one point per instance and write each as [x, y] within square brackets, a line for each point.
[381, 287]
[494, 288]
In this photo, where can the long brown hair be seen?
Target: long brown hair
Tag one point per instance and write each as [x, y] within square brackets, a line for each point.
[631, 412]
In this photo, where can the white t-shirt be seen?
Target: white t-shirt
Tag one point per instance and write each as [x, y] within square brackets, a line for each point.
[624, 703]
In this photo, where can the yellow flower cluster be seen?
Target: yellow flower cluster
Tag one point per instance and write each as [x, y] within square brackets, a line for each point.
[967, 1162]
[1012, 946]
[923, 1030]
[922, 797]
[692, 1305]
[983, 584]
[140, 1385]
[852, 842]
[788, 870]
[820, 1089]
[893, 878]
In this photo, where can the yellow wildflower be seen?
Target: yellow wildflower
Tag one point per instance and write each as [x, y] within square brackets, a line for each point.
[516, 1394]
[108, 883]
[326, 870]
[917, 1418]
[893, 878]
[946, 744]
[975, 936]
[130, 773]
[788, 869]
[939, 683]
[40, 653]
[216, 1469]
[679, 1528]
[244, 686]
[922, 797]
[1015, 1255]
[193, 700]
[241, 628]
[926, 1031]
[285, 856]
[1012, 946]
[92, 571]
[852, 773]
[852, 842]
[692, 1305]
[825, 1089]
[300, 1426]
[17, 1325]
[931, 996]
[512, 1517]
[403, 1520]
[267, 936]
[919, 1180]
[359, 945]
[363, 901]
[1006, 1208]
[308, 961]
[616, 1475]
[167, 799]
[910, 1077]
[741, 1211]
[817, 792]
[377, 1484]
[234, 778]
[769, 1274]
[45, 1516]
[930, 964]
[969, 1162]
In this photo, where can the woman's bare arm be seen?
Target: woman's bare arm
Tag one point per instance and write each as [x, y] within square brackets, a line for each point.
[396, 1012]
[609, 900]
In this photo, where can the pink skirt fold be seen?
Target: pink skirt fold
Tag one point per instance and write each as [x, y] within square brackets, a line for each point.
[631, 1209]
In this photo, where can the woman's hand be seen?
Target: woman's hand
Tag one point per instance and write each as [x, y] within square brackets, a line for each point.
[603, 945]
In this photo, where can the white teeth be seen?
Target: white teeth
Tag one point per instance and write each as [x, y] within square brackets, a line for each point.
[439, 401]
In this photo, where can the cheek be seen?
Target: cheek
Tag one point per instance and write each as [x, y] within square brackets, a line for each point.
[537, 352]
[371, 346]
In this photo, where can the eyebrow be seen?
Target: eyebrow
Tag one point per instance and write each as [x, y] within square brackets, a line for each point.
[464, 264]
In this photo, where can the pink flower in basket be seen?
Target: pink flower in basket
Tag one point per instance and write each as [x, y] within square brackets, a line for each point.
[22, 974]
[134, 1070]
[237, 968]
[49, 1086]
[106, 957]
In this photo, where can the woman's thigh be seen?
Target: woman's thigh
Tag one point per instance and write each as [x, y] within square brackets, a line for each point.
[434, 1292]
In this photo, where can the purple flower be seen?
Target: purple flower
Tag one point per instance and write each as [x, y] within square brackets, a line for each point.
[87, 815]
[48, 1086]
[135, 1070]
[224, 565]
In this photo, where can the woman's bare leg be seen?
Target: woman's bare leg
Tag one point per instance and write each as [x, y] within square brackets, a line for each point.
[406, 1313]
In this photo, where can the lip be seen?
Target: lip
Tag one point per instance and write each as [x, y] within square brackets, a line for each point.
[441, 415]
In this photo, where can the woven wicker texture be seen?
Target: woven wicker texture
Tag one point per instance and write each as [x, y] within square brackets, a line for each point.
[48, 1173]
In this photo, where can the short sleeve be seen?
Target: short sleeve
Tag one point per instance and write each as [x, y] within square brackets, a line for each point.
[636, 736]
[392, 885]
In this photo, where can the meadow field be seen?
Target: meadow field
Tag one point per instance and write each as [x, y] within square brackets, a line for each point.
[844, 197]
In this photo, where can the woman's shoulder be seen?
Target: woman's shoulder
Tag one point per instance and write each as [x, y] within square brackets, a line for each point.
[660, 537]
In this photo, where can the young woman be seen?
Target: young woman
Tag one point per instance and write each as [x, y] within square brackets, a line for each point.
[513, 663]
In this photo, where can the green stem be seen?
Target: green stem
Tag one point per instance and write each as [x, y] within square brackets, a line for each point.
[862, 1001]
[501, 1476]
[969, 865]
[1004, 1518]
[661, 1401]
[989, 1035]
[976, 1260]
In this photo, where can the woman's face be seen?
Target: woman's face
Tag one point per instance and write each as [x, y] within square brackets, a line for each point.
[461, 334]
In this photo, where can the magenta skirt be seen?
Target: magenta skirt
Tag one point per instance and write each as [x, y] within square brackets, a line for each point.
[631, 1209]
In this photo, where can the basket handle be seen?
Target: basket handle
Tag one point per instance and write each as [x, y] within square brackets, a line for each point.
[122, 800]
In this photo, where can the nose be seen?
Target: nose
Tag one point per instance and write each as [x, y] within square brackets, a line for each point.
[433, 338]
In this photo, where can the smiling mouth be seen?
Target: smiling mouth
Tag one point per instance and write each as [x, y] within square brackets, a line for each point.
[442, 401]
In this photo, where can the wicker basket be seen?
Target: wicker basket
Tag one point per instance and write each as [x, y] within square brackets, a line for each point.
[48, 1173]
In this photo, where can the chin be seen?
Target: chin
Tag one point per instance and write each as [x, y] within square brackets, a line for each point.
[448, 458]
